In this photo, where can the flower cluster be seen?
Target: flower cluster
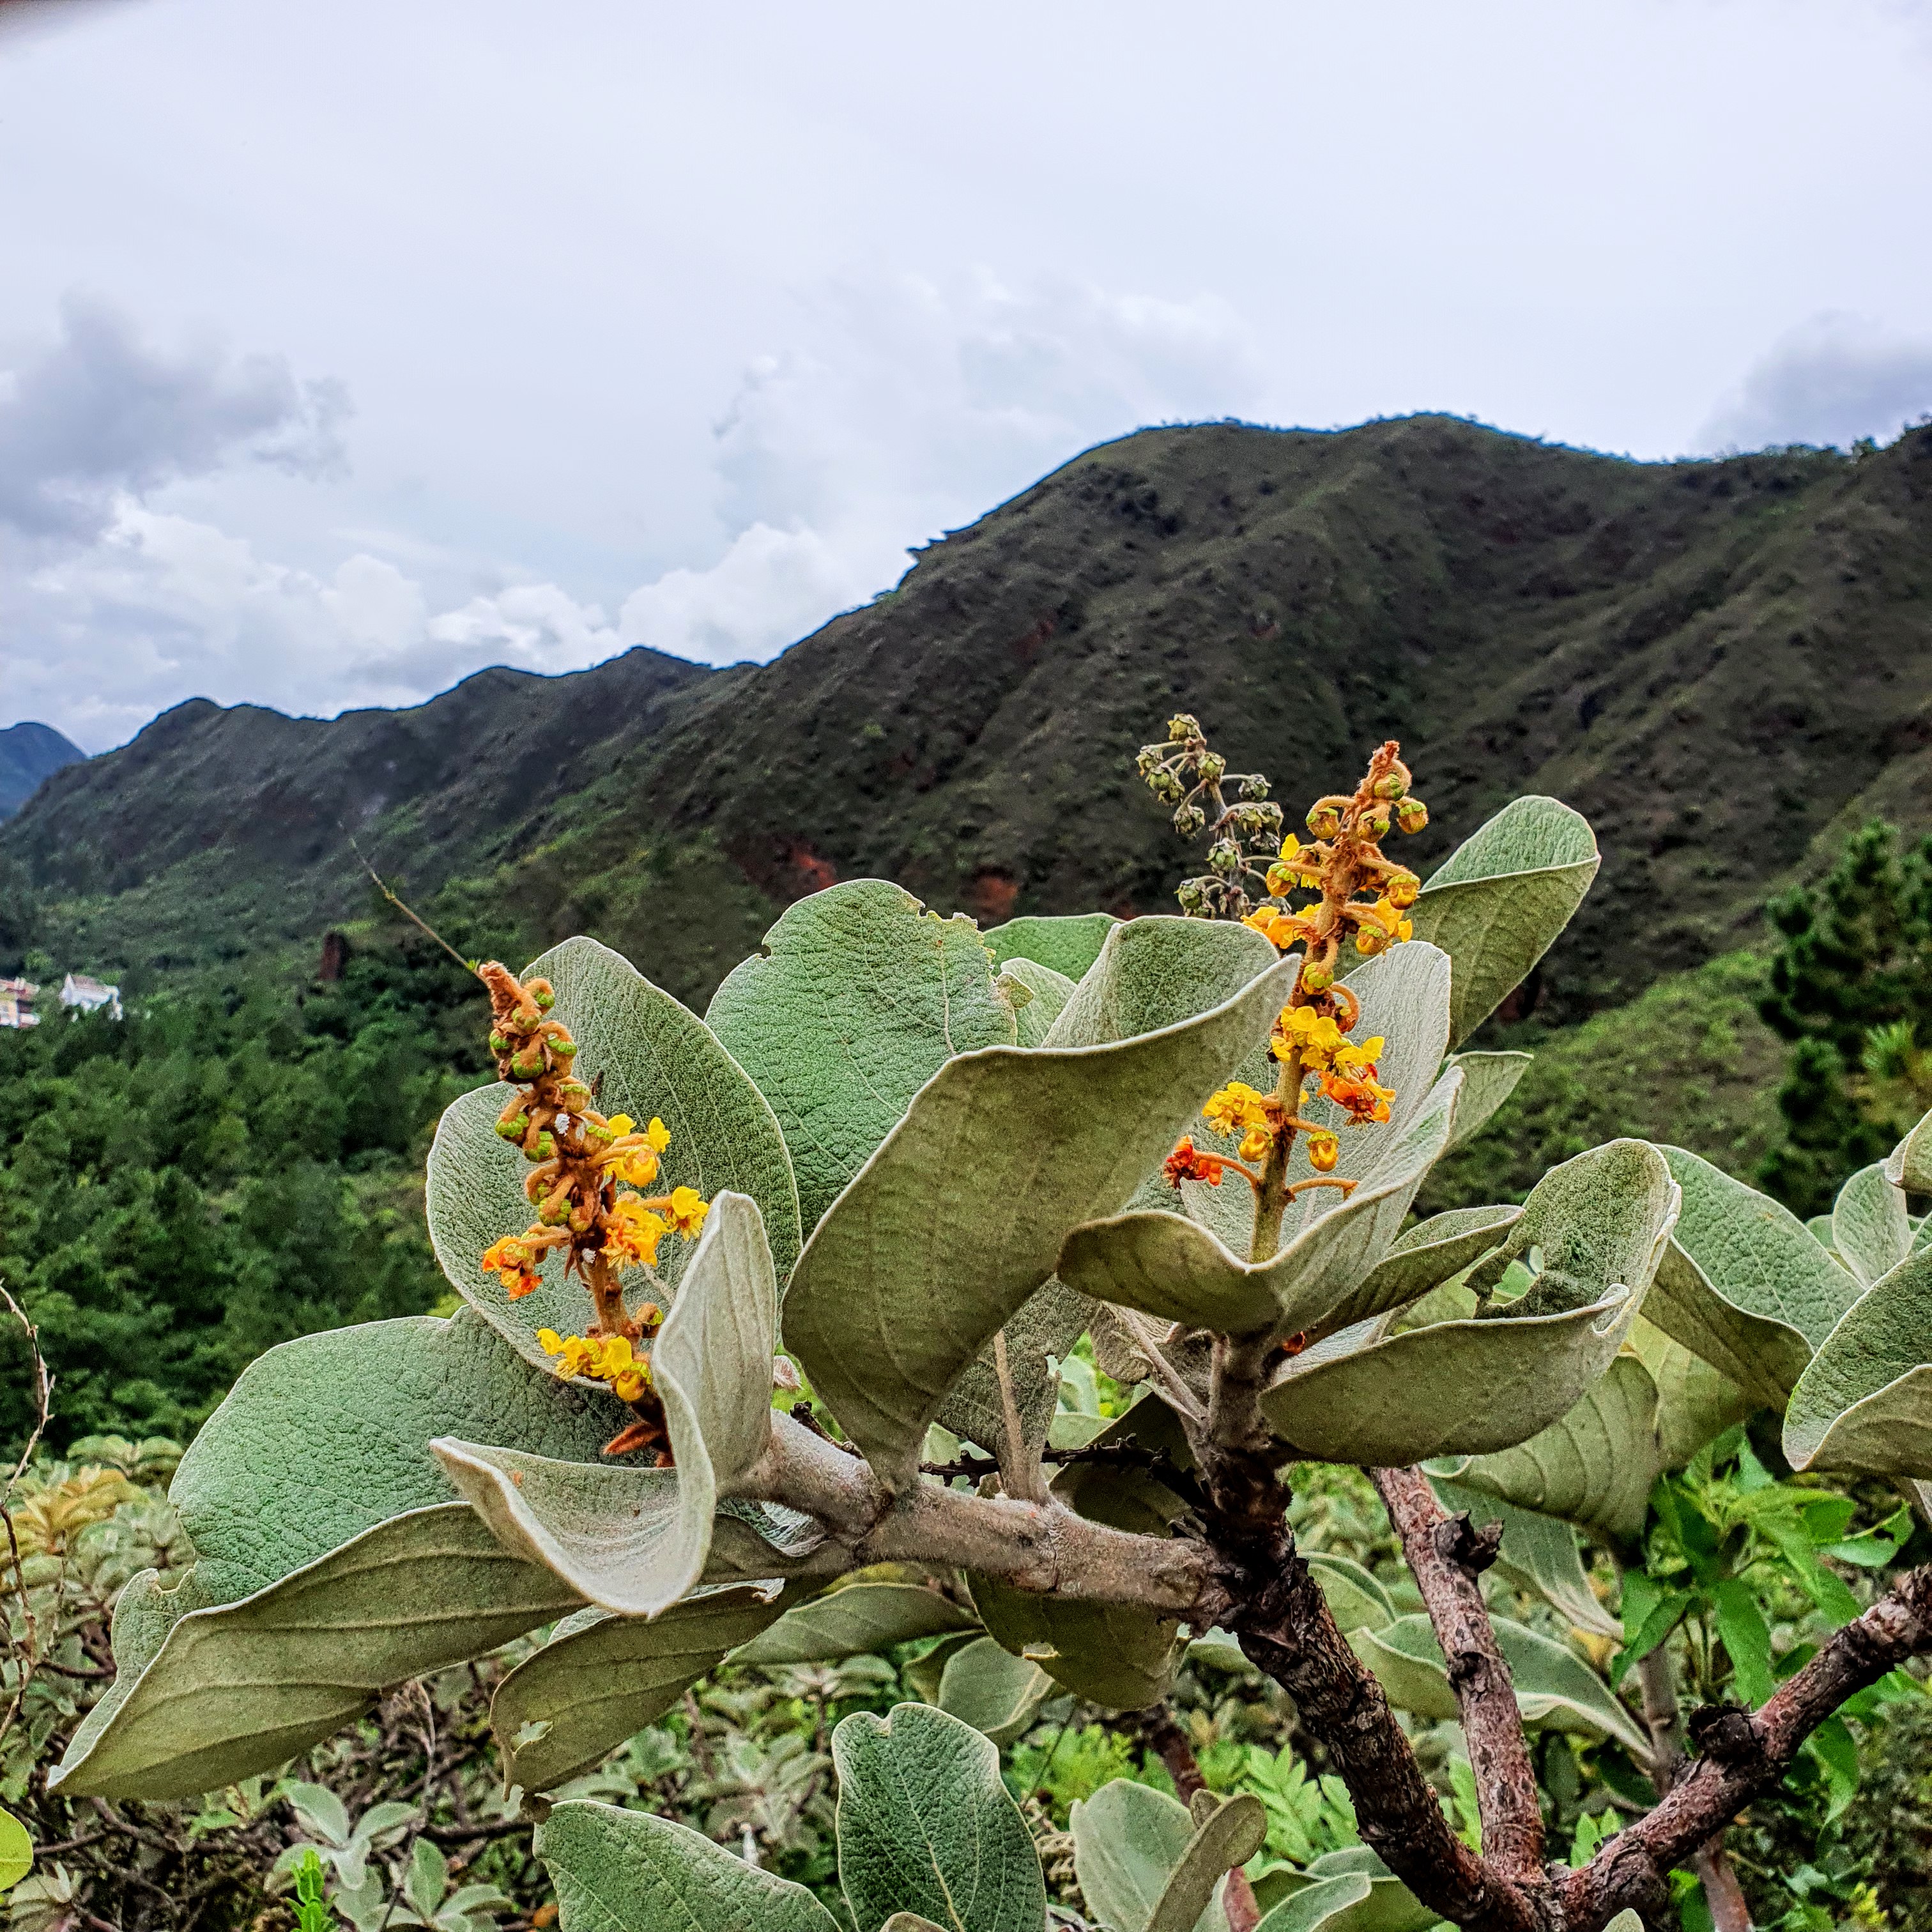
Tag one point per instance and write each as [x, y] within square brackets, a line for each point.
[599, 1358]
[1182, 771]
[1356, 891]
[579, 1160]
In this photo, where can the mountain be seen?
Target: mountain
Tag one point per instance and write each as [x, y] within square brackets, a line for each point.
[1724, 664]
[29, 753]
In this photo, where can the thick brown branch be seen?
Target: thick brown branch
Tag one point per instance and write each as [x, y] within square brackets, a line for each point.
[1746, 1755]
[1446, 1557]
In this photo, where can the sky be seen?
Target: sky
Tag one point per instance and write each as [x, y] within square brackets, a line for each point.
[345, 350]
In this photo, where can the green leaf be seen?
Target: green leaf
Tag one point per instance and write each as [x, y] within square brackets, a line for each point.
[1325, 1905]
[601, 1679]
[1870, 1231]
[853, 1620]
[860, 997]
[1746, 1639]
[959, 1216]
[909, 1922]
[628, 1871]
[1431, 1253]
[1069, 942]
[1488, 1080]
[1501, 898]
[1865, 1402]
[1909, 1166]
[1538, 1552]
[1047, 993]
[1228, 1836]
[654, 1057]
[1598, 1222]
[1694, 1401]
[1556, 1689]
[986, 1686]
[926, 1825]
[1114, 1654]
[634, 1540]
[239, 1689]
[1167, 1266]
[1594, 1465]
[1127, 1839]
[1759, 1295]
[16, 1851]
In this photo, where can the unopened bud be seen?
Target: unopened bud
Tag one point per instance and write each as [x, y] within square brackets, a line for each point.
[515, 1129]
[1390, 787]
[1371, 940]
[1225, 856]
[1324, 820]
[554, 1213]
[541, 992]
[1167, 787]
[1403, 888]
[1189, 819]
[545, 1148]
[1411, 815]
[1181, 726]
[1373, 823]
[1255, 786]
[499, 1043]
[1191, 897]
[1323, 1150]
[1148, 763]
[565, 1049]
[1211, 765]
[1316, 978]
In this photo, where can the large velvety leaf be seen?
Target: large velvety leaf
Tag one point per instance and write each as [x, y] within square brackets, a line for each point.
[635, 1540]
[237, 1689]
[629, 1871]
[1127, 1839]
[1069, 943]
[601, 1679]
[925, 1826]
[654, 1057]
[1475, 1386]
[1151, 974]
[1865, 1402]
[1502, 896]
[859, 997]
[1694, 1401]
[1427, 1255]
[1325, 1905]
[1226, 1837]
[1390, 1906]
[853, 1620]
[1909, 1166]
[959, 1216]
[1760, 1294]
[1556, 1689]
[1168, 1266]
[985, 1685]
[1046, 994]
[1538, 1552]
[1870, 1233]
[1488, 1080]
[1594, 1465]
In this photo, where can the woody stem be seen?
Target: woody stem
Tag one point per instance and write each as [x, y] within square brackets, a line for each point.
[1272, 1196]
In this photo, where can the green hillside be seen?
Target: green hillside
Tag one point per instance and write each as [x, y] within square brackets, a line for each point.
[29, 753]
[1724, 664]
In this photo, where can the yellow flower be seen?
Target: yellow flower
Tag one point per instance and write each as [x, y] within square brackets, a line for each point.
[1314, 1036]
[1236, 1108]
[632, 1234]
[1365, 1053]
[688, 1210]
[1255, 1143]
[658, 1134]
[1324, 1149]
[550, 1341]
[636, 1166]
[621, 1124]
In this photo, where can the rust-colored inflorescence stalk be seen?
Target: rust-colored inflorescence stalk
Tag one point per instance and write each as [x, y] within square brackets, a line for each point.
[578, 1157]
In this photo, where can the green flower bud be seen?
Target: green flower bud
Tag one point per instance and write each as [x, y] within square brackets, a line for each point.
[1189, 819]
[499, 1043]
[1212, 765]
[545, 1000]
[545, 1148]
[1411, 815]
[1324, 820]
[1190, 896]
[528, 1065]
[514, 1130]
[1373, 823]
[1390, 787]
[1148, 763]
[1225, 856]
[1255, 786]
[1181, 726]
[565, 1049]
[1316, 978]
[1167, 787]
[554, 1213]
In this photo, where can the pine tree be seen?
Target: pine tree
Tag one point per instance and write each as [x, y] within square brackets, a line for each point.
[1851, 988]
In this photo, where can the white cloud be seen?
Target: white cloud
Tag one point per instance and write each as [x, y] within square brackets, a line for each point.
[1833, 380]
[97, 413]
[900, 408]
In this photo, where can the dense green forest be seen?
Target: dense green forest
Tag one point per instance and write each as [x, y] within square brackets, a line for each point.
[238, 1161]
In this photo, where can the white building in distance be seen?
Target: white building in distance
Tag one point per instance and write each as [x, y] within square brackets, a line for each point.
[90, 995]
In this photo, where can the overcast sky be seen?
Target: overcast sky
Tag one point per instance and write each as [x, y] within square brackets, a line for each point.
[345, 349]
